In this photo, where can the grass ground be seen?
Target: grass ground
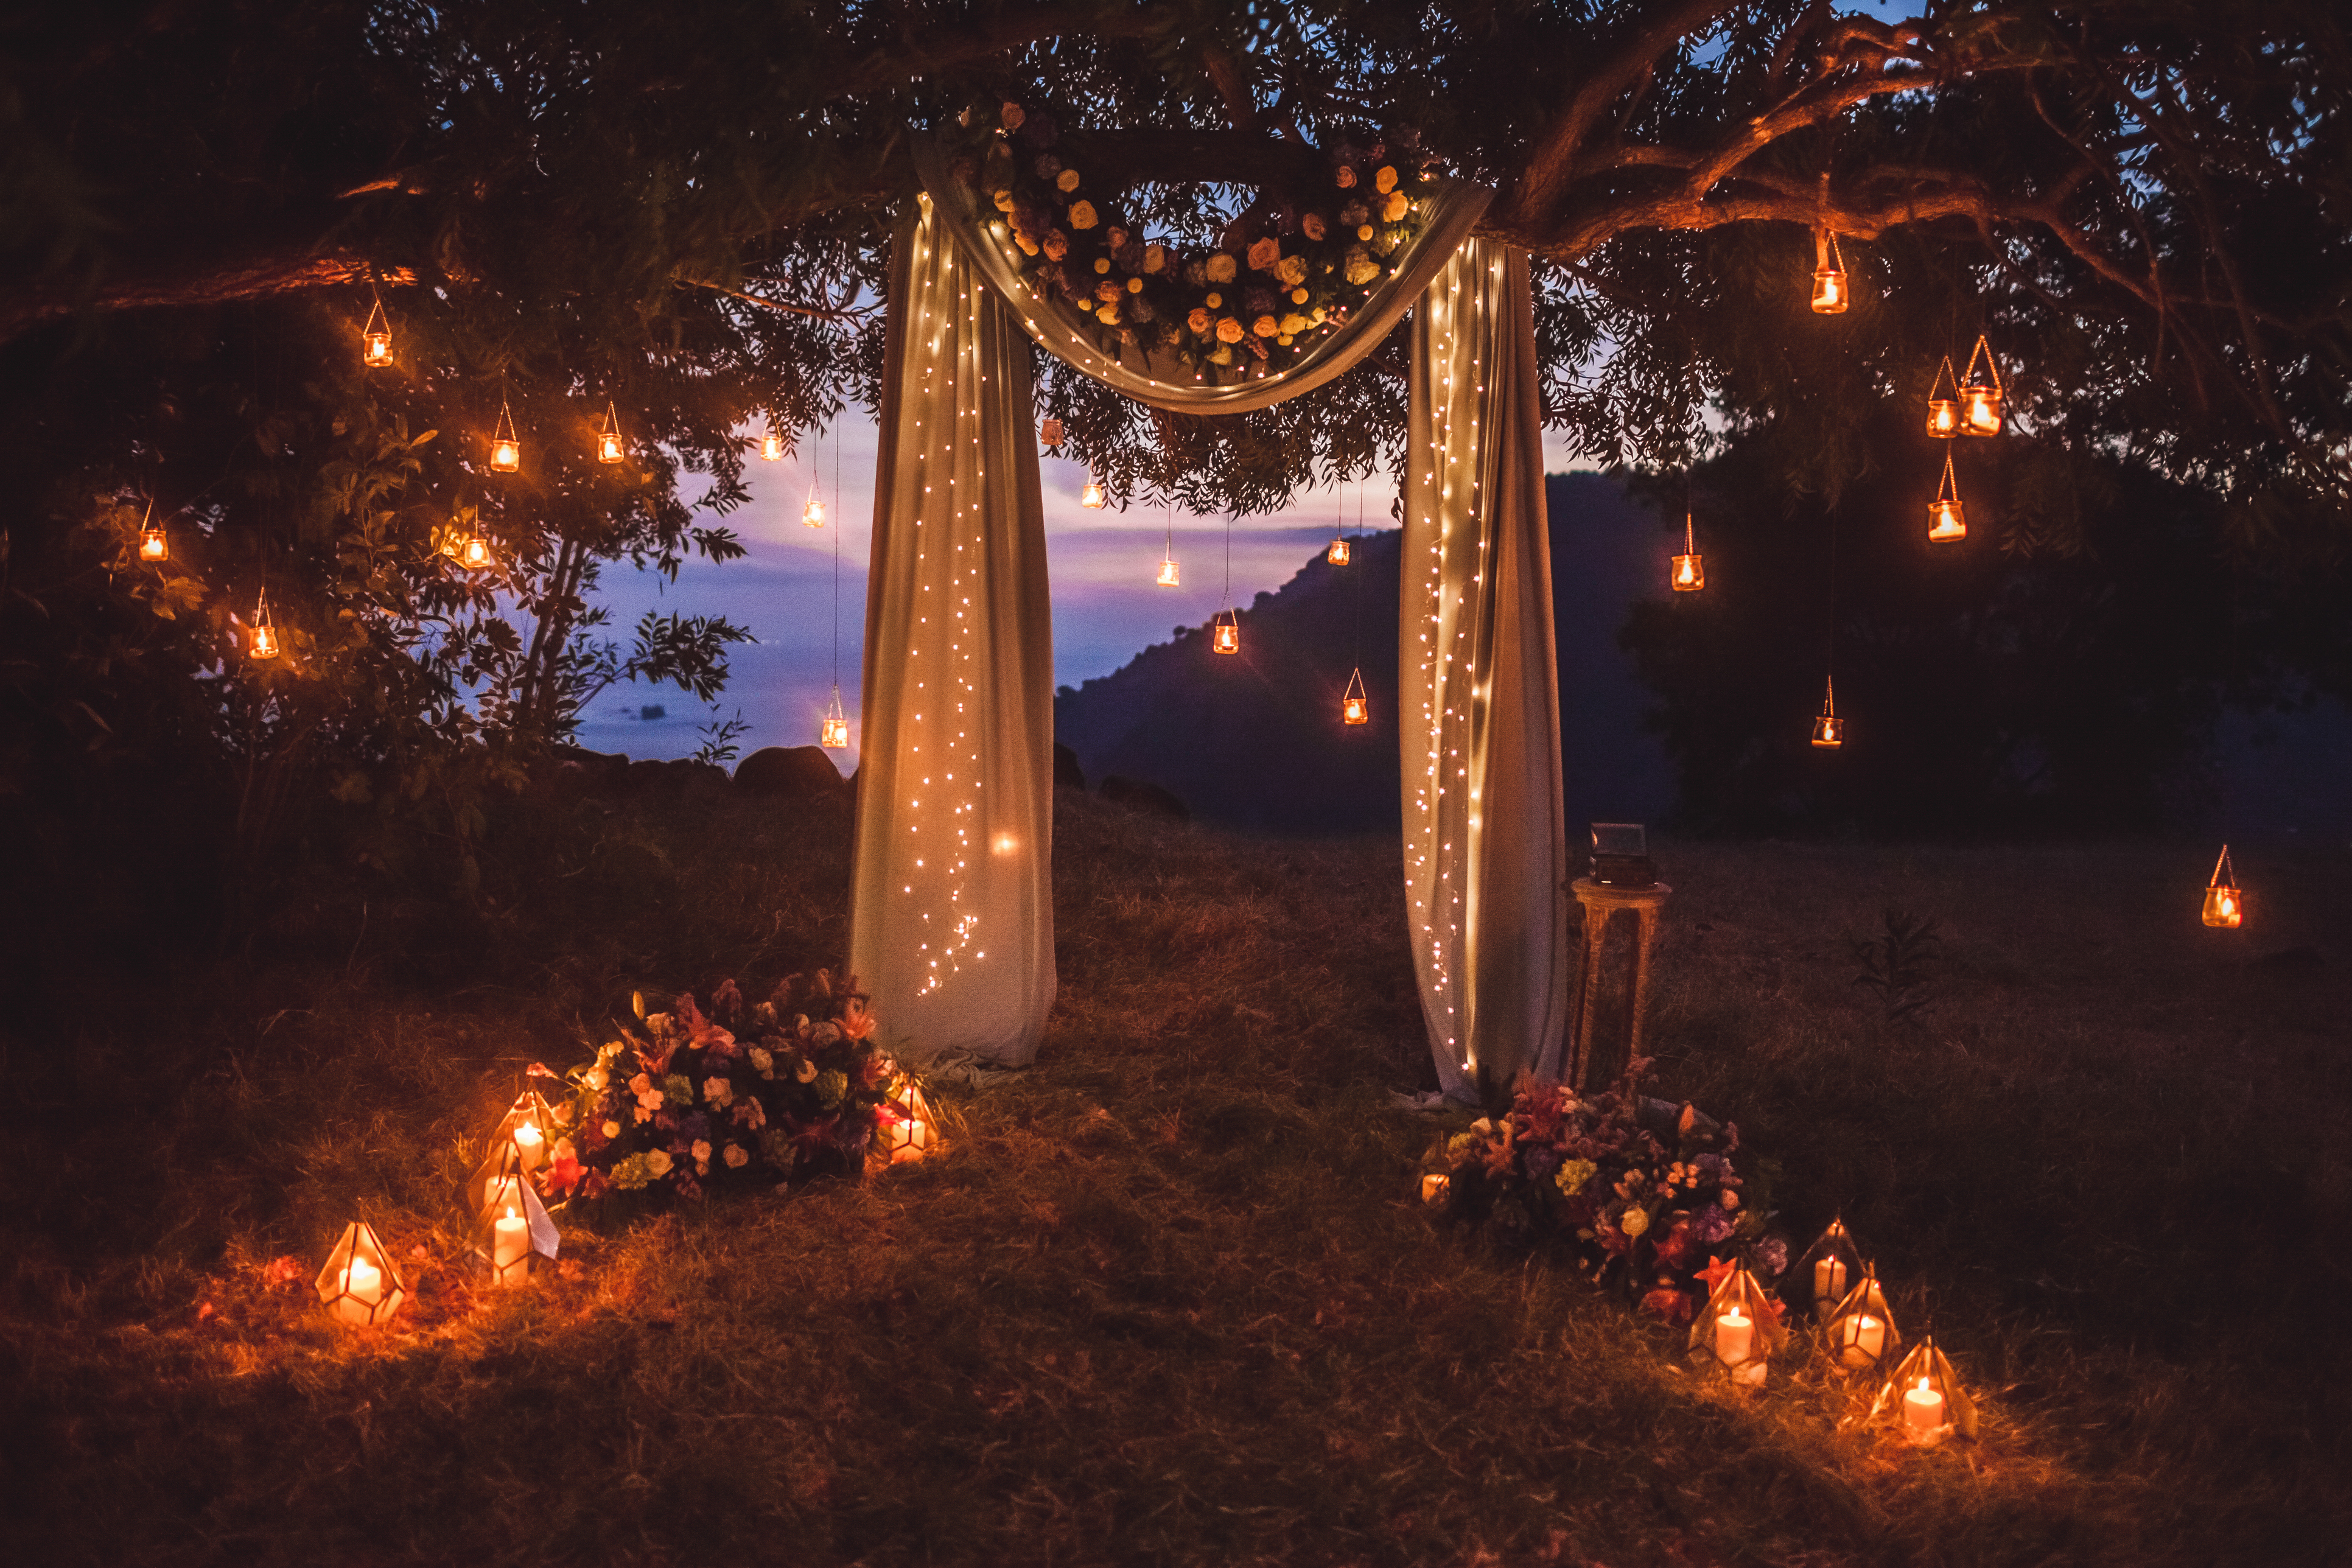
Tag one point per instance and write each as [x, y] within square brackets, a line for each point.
[1166, 1298]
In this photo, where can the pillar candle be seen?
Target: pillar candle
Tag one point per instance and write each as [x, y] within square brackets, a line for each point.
[533, 1145]
[509, 1248]
[1829, 1281]
[1923, 1408]
[362, 1288]
[1735, 1336]
[1863, 1339]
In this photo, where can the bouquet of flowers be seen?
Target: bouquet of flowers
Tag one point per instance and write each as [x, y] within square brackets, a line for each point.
[743, 1096]
[1283, 274]
[1643, 1192]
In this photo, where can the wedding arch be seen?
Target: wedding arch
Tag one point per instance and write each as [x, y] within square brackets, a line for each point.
[951, 926]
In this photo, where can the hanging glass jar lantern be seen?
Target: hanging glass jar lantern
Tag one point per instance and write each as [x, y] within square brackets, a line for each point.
[358, 1285]
[1739, 1329]
[1050, 433]
[153, 546]
[1826, 1271]
[263, 640]
[1861, 1332]
[506, 448]
[1225, 633]
[1830, 291]
[2225, 905]
[1337, 552]
[1829, 730]
[1093, 497]
[812, 512]
[771, 447]
[1982, 400]
[1355, 707]
[608, 435]
[834, 733]
[1167, 572]
[1946, 522]
[1927, 1393]
[375, 338]
[1690, 570]
[1944, 405]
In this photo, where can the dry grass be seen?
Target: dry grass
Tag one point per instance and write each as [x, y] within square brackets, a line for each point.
[1166, 1298]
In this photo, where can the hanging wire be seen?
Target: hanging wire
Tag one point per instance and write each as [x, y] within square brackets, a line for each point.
[837, 522]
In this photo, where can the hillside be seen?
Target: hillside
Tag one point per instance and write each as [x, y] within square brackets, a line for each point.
[1254, 741]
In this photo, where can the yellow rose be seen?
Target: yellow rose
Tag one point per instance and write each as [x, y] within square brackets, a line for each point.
[1361, 268]
[1284, 340]
[1221, 354]
[1264, 254]
[1067, 180]
[1293, 324]
[1199, 321]
[1003, 201]
[1298, 296]
[1229, 331]
[1266, 326]
[1214, 301]
[1364, 231]
[1135, 285]
[1636, 1221]
[1082, 215]
[657, 1161]
[1223, 268]
[1107, 315]
[1291, 269]
[1399, 204]
[1102, 263]
[1385, 180]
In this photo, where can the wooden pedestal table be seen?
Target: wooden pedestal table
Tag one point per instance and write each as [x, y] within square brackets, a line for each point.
[1601, 901]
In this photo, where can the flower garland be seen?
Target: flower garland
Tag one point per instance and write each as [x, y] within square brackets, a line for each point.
[792, 1087]
[1282, 278]
[1664, 1225]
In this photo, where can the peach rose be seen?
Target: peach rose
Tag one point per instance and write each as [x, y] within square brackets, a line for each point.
[1229, 331]
[1082, 215]
[1067, 180]
[1311, 225]
[1223, 268]
[1264, 254]
[1266, 326]
[1199, 321]
[1398, 205]
[1386, 179]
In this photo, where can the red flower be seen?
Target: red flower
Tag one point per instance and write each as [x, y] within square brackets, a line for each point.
[1669, 1303]
[1717, 1271]
[1676, 1250]
[593, 1185]
[563, 1173]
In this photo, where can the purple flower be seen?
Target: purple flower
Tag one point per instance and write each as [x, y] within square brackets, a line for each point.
[1710, 1224]
[1714, 1167]
[1771, 1255]
[1542, 1162]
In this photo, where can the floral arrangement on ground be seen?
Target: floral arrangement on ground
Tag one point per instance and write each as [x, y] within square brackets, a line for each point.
[746, 1095]
[1643, 1192]
[1285, 272]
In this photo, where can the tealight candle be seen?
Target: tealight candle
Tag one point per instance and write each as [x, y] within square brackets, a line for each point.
[1829, 1281]
[1433, 1185]
[1923, 1408]
[509, 1247]
[362, 1289]
[1863, 1339]
[532, 1143]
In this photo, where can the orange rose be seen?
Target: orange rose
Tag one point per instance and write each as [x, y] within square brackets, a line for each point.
[1266, 326]
[1264, 254]
[1229, 331]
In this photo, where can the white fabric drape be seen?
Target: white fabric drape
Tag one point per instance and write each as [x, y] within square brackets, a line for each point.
[952, 912]
[1164, 382]
[1478, 707]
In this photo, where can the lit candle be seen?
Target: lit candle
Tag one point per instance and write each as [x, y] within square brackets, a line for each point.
[362, 1289]
[532, 1144]
[509, 1248]
[1863, 1339]
[1923, 1408]
[1735, 1335]
[1433, 1185]
[1829, 1281]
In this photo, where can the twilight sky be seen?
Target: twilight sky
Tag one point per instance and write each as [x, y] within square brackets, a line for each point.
[1105, 607]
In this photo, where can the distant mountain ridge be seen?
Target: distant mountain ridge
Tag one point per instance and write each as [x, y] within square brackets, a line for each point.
[1255, 739]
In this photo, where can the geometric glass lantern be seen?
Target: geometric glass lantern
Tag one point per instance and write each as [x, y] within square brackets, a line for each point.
[608, 435]
[1225, 633]
[2225, 906]
[506, 448]
[1092, 497]
[905, 1130]
[152, 543]
[1981, 396]
[375, 339]
[1934, 1406]
[1827, 1271]
[1943, 407]
[1050, 433]
[771, 447]
[511, 1231]
[1434, 1187]
[813, 513]
[1740, 1328]
[1353, 707]
[1830, 291]
[1861, 1332]
[1829, 730]
[1690, 571]
[358, 1285]
[265, 631]
[834, 733]
[531, 1126]
[1946, 522]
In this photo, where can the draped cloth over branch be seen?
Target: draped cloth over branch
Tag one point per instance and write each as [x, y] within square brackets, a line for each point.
[951, 915]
